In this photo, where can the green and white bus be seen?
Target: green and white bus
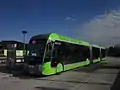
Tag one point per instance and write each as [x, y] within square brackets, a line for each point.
[53, 53]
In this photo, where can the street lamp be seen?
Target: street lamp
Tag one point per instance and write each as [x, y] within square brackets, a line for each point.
[24, 34]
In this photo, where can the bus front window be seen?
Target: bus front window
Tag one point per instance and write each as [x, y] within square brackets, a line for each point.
[35, 53]
[35, 50]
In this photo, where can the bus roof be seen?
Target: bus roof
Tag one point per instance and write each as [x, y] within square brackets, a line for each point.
[41, 36]
[54, 36]
[103, 47]
[93, 45]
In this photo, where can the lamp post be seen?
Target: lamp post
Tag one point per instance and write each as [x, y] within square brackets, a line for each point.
[24, 34]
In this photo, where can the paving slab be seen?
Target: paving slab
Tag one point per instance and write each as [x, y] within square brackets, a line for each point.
[93, 87]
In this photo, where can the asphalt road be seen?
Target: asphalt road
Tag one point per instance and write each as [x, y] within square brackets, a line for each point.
[100, 76]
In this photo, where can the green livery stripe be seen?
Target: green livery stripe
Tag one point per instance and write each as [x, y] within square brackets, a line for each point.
[87, 61]
[96, 60]
[59, 68]
[103, 58]
[75, 65]
[54, 36]
[96, 46]
[47, 69]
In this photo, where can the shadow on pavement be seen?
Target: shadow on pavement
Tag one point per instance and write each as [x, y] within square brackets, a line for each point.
[18, 72]
[94, 67]
[3, 68]
[89, 68]
[116, 84]
[48, 88]
[83, 82]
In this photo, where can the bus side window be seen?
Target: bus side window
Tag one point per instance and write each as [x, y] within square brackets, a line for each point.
[54, 59]
[95, 53]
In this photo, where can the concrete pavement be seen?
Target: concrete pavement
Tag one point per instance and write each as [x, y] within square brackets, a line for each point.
[100, 76]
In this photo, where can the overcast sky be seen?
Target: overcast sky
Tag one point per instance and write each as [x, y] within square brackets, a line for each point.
[103, 29]
[96, 21]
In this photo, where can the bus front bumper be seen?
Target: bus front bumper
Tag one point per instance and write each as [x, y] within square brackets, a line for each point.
[33, 69]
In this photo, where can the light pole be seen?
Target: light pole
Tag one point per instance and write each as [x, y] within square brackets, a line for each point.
[24, 34]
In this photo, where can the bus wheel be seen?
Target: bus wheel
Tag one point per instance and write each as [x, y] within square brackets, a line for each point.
[60, 68]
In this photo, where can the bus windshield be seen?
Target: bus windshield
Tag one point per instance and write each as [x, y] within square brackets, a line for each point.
[35, 52]
[36, 48]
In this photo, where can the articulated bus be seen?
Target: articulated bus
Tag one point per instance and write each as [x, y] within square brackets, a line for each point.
[53, 53]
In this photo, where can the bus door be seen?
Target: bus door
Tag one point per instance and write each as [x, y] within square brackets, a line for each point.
[50, 54]
[56, 57]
